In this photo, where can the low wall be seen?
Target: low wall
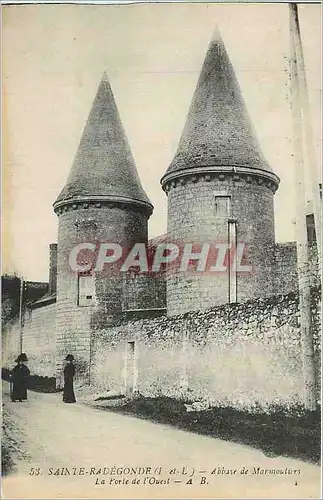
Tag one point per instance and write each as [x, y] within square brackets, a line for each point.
[38, 340]
[10, 338]
[241, 355]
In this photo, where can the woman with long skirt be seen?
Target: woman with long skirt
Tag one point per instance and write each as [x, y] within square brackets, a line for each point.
[69, 372]
[19, 377]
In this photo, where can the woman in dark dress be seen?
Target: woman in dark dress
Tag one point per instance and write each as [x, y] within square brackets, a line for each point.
[69, 372]
[19, 377]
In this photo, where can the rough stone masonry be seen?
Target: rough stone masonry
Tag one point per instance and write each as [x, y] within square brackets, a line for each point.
[227, 339]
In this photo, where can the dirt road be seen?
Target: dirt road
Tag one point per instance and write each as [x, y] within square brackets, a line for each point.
[80, 452]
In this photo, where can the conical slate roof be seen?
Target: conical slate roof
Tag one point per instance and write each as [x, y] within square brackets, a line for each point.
[218, 133]
[104, 167]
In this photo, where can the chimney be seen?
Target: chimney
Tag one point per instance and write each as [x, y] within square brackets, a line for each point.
[52, 268]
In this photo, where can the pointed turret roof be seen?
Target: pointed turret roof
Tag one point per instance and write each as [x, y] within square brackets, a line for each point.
[104, 168]
[218, 133]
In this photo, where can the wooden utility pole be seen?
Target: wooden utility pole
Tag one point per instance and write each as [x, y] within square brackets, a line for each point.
[21, 312]
[301, 230]
[308, 130]
[184, 357]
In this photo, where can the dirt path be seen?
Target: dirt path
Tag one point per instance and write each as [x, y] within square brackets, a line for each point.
[84, 440]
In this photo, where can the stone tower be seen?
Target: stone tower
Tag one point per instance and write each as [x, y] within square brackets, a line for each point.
[220, 189]
[103, 201]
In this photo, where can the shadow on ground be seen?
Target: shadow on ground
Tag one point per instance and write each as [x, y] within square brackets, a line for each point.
[276, 434]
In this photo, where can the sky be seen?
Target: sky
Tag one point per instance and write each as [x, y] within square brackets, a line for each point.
[53, 60]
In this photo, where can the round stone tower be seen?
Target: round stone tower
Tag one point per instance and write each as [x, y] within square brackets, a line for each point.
[220, 192]
[103, 201]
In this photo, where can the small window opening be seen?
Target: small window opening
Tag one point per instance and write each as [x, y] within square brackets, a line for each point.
[85, 289]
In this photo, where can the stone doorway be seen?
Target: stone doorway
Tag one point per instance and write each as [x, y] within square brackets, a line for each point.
[130, 367]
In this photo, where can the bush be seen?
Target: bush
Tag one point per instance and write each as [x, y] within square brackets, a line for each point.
[36, 383]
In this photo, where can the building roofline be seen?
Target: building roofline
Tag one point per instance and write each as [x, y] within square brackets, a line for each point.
[44, 301]
[148, 207]
[220, 169]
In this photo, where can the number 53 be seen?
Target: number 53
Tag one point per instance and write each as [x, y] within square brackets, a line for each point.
[34, 471]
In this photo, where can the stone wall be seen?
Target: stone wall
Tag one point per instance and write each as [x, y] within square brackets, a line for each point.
[240, 355]
[286, 277]
[144, 292]
[52, 282]
[38, 341]
[10, 339]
